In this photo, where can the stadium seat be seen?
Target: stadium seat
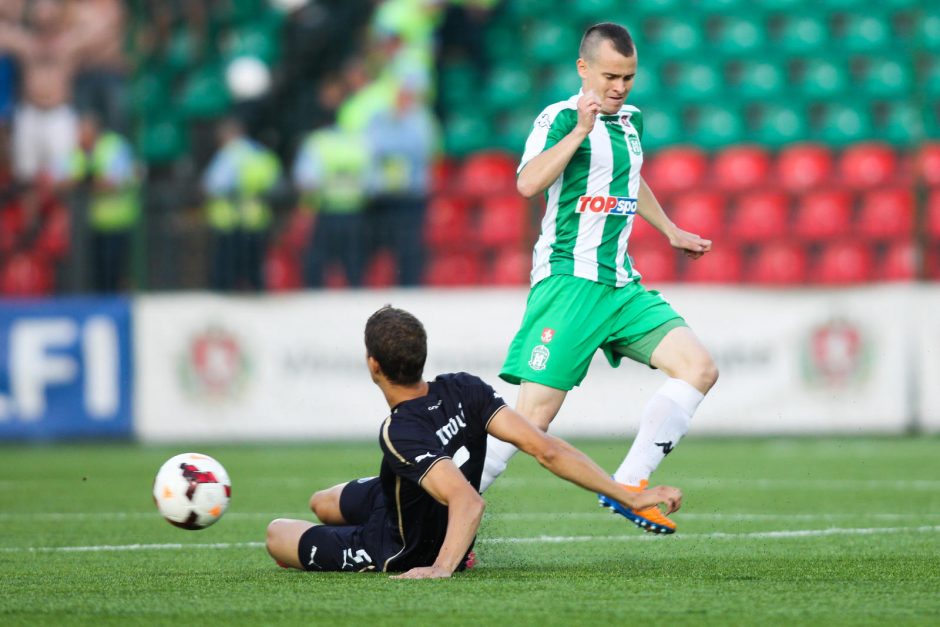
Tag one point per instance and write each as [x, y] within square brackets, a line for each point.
[900, 123]
[740, 168]
[486, 173]
[12, 226]
[676, 169]
[282, 270]
[204, 94]
[760, 216]
[717, 126]
[802, 33]
[382, 270]
[928, 164]
[26, 275]
[739, 36]
[804, 166]
[453, 269]
[887, 214]
[54, 236]
[868, 165]
[679, 35]
[700, 212]
[841, 124]
[899, 262]
[823, 78]
[504, 221]
[465, 133]
[161, 141]
[865, 32]
[887, 78]
[778, 264]
[759, 79]
[549, 40]
[647, 86]
[780, 125]
[657, 262]
[662, 127]
[928, 30]
[443, 175]
[643, 231]
[695, 82]
[509, 267]
[448, 222]
[932, 220]
[844, 262]
[823, 214]
[298, 230]
[722, 265]
[506, 88]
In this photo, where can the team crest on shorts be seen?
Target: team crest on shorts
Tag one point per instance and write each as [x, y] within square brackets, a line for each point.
[547, 335]
[539, 357]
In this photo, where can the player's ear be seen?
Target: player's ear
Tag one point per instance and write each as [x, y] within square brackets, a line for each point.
[582, 67]
[374, 368]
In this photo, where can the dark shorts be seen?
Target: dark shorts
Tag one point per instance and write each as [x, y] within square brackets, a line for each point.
[362, 545]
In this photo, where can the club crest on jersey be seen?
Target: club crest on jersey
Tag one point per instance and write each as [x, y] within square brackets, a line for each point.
[634, 142]
[539, 357]
[547, 335]
[613, 205]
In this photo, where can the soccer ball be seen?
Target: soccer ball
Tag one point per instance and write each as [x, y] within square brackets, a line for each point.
[192, 491]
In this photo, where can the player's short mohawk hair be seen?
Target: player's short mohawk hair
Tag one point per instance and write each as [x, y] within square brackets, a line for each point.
[397, 340]
[617, 35]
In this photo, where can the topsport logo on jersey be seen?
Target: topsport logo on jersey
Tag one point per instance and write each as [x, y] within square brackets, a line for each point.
[612, 205]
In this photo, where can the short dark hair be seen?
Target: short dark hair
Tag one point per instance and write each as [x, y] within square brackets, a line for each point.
[397, 340]
[616, 34]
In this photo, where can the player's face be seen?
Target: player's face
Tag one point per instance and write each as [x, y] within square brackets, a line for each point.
[610, 75]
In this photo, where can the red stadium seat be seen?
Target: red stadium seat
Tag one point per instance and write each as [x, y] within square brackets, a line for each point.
[761, 216]
[504, 221]
[510, 267]
[843, 263]
[12, 225]
[676, 170]
[447, 224]
[780, 263]
[823, 214]
[443, 176]
[928, 164]
[741, 168]
[643, 231]
[297, 232]
[486, 173]
[865, 166]
[932, 222]
[282, 270]
[899, 262]
[702, 213]
[804, 166]
[26, 275]
[657, 262]
[453, 269]
[721, 265]
[887, 214]
[54, 237]
[382, 270]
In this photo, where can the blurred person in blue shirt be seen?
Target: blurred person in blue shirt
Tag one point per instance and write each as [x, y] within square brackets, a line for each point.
[403, 138]
[237, 184]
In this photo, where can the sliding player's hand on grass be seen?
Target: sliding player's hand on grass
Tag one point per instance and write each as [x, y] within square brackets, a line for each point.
[425, 572]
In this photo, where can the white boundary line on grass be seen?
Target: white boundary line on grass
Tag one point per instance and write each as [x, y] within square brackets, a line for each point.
[758, 535]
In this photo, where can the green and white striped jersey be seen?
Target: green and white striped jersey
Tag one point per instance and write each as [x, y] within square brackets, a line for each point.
[590, 208]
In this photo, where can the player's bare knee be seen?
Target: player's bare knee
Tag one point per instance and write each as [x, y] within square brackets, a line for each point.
[273, 532]
[316, 501]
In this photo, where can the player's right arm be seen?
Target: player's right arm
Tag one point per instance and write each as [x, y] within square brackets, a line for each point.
[541, 171]
[569, 463]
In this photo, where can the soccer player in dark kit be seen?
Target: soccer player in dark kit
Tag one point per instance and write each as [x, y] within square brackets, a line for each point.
[420, 516]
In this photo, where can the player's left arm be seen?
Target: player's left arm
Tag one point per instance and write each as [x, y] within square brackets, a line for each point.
[448, 486]
[569, 463]
[649, 208]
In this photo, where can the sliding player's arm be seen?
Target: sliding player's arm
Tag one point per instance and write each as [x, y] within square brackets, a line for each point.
[651, 211]
[569, 463]
[448, 486]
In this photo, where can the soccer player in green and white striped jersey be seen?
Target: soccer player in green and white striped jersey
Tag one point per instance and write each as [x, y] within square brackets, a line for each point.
[585, 154]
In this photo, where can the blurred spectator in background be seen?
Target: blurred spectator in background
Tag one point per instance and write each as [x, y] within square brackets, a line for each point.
[100, 85]
[334, 172]
[102, 167]
[240, 176]
[403, 140]
[11, 12]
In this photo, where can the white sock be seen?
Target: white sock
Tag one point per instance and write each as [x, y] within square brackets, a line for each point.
[665, 420]
[498, 454]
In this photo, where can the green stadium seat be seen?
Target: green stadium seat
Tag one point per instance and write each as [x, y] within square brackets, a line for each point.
[739, 36]
[561, 84]
[553, 42]
[791, 7]
[840, 124]
[521, 10]
[513, 130]
[928, 30]
[777, 125]
[256, 40]
[658, 7]
[867, 32]
[592, 11]
[759, 80]
[802, 34]
[161, 142]
[464, 134]
[662, 126]
[722, 6]
[823, 79]
[715, 127]
[675, 37]
[507, 87]
[901, 123]
[647, 87]
[886, 78]
[929, 81]
[457, 81]
[204, 95]
[181, 52]
[501, 42]
[149, 95]
[845, 6]
[695, 81]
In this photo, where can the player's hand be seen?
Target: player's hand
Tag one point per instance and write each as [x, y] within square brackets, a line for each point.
[589, 105]
[691, 244]
[660, 495]
[425, 572]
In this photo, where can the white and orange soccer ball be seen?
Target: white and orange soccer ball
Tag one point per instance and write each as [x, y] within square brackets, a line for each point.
[192, 491]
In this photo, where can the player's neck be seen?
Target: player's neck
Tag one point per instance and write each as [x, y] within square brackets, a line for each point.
[396, 394]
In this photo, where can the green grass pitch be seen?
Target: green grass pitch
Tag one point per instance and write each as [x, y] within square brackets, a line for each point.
[773, 531]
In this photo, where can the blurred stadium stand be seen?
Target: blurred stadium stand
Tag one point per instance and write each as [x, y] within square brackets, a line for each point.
[802, 137]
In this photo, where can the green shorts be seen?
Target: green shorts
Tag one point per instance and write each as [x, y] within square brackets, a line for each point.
[568, 318]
